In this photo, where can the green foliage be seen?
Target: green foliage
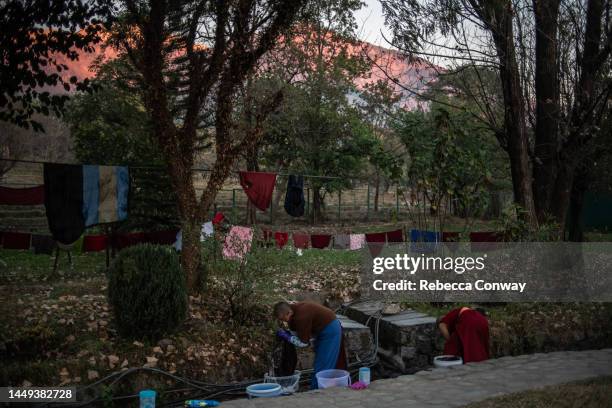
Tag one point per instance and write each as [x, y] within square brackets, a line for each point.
[516, 227]
[112, 127]
[447, 158]
[147, 291]
[38, 39]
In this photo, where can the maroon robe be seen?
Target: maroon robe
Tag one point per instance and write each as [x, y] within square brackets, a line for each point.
[469, 335]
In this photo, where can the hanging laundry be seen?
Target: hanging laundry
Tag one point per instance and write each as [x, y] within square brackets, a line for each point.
[450, 236]
[22, 196]
[485, 240]
[218, 218]
[342, 241]
[258, 187]
[105, 194]
[208, 230]
[16, 240]
[129, 239]
[376, 242]
[320, 241]
[178, 243]
[94, 243]
[294, 198]
[281, 239]
[43, 244]
[357, 241]
[395, 236]
[64, 201]
[424, 241]
[237, 242]
[166, 237]
[301, 241]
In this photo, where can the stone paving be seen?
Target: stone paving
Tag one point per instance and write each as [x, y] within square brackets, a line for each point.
[453, 387]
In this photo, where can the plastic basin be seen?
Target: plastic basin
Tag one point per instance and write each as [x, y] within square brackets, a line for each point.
[289, 384]
[447, 361]
[333, 378]
[264, 390]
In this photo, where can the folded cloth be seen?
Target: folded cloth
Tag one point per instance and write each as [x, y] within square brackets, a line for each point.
[342, 241]
[258, 187]
[395, 236]
[94, 243]
[161, 237]
[320, 241]
[43, 244]
[376, 242]
[357, 241]
[281, 239]
[22, 196]
[122, 241]
[237, 242]
[488, 236]
[301, 240]
[16, 240]
[450, 236]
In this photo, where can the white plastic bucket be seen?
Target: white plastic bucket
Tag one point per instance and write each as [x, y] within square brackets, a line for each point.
[289, 384]
[447, 361]
[333, 378]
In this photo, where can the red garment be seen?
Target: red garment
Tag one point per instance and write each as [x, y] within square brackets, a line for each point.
[258, 187]
[218, 218]
[281, 239]
[129, 239]
[22, 196]
[376, 242]
[16, 240]
[395, 236]
[301, 240]
[450, 236]
[94, 243]
[485, 241]
[320, 241]
[469, 335]
[167, 237]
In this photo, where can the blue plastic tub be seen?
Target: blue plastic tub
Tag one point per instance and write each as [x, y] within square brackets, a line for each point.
[264, 390]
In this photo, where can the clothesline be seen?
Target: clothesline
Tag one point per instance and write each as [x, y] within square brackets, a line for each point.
[200, 169]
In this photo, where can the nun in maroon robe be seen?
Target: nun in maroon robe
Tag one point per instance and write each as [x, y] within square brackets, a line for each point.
[467, 334]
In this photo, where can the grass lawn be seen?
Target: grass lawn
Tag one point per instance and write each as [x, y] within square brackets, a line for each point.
[596, 393]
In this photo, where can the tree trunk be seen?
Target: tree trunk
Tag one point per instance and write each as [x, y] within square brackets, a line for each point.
[317, 202]
[574, 214]
[498, 15]
[547, 104]
[190, 254]
[376, 190]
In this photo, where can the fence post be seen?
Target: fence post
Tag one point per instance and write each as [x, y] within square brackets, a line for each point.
[233, 204]
[397, 201]
[339, 202]
[368, 200]
[307, 201]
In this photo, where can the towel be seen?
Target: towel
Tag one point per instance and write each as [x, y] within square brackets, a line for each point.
[376, 242]
[301, 240]
[342, 241]
[22, 196]
[94, 243]
[105, 194]
[395, 236]
[357, 241]
[237, 242]
[281, 239]
[64, 201]
[320, 241]
[16, 240]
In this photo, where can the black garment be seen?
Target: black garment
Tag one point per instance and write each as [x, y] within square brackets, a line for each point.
[294, 199]
[64, 201]
[43, 244]
[284, 358]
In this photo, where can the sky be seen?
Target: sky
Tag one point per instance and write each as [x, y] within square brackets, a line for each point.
[371, 23]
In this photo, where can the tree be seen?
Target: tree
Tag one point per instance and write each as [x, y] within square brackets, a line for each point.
[111, 127]
[38, 40]
[192, 57]
[567, 82]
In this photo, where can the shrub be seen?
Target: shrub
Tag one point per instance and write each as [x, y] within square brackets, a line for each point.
[147, 291]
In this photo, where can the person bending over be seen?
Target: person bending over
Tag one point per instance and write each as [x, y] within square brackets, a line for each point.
[310, 320]
[466, 332]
